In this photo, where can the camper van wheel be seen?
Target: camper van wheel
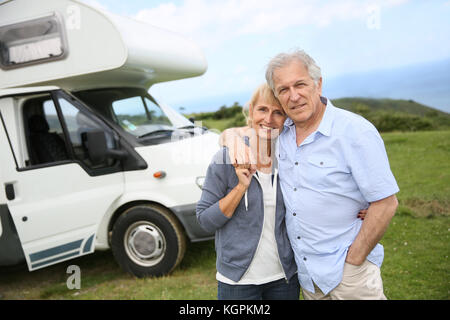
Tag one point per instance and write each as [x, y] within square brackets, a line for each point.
[148, 241]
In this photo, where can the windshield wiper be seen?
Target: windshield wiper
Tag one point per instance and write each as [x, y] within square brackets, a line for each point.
[192, 127]
[155, 132]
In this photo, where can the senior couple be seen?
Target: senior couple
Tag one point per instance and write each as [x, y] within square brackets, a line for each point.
[299, 197]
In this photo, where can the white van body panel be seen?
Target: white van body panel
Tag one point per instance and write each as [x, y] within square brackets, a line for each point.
[60, 209]
[85, 37]
[58, 205]
[104, 50]
[182, 161]
[54, 206]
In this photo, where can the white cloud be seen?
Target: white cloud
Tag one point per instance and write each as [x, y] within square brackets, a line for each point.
[212, 22]
[221, 27]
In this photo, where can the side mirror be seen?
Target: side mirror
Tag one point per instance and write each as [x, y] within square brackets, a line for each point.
[98, 149]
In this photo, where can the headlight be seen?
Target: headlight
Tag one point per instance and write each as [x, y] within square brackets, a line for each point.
[200, 181]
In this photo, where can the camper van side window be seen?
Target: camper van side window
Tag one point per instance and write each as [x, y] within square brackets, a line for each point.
[45, 137]
[52, 118]
[32, 41]
[78, 123]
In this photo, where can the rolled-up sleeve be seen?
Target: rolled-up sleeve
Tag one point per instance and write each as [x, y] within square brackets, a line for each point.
[208, 211]
[369, 164]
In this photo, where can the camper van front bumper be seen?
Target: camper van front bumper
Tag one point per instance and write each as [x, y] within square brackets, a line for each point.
[186, 215]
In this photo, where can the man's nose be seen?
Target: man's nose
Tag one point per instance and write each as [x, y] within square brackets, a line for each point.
[293, 94]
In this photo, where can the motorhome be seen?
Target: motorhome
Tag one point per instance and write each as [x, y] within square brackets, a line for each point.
[89, 160]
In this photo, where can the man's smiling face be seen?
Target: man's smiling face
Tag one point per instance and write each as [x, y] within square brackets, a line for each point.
[297, 92]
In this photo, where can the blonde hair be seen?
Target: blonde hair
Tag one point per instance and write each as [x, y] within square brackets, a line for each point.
[262, 93]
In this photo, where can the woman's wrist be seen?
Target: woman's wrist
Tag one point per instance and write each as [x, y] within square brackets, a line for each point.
[241, 188]
[229, 203]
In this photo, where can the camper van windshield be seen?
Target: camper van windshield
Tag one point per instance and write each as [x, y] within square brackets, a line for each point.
[133, 109]
[140, 116]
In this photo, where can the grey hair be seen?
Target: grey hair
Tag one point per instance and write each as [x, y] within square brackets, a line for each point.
[283, 59]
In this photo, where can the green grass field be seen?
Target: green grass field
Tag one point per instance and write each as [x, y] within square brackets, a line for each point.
[417, 245]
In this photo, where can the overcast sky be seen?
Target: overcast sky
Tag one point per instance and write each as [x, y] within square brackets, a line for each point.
[240, 36]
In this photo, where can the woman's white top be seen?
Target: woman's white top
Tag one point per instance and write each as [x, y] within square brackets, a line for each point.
[265, 266]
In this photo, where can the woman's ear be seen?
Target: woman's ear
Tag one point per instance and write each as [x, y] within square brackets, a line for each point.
[250, 115]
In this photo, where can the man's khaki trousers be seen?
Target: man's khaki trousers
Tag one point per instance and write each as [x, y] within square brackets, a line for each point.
[358, 283]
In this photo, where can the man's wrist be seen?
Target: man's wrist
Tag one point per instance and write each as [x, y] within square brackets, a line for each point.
[354, 262]
[354, 259]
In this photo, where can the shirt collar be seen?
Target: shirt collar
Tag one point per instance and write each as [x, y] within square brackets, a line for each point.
[327, 120]
[288, 122]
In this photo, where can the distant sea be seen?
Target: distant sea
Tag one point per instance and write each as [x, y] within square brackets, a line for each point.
[426, 83]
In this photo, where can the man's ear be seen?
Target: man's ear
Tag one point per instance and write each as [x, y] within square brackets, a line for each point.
[319, 86]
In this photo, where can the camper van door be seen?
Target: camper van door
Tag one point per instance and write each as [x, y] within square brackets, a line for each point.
[56, 207]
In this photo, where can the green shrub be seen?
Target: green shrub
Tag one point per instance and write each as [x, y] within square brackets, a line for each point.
[227, 112]
[386, 121]
[238, 121]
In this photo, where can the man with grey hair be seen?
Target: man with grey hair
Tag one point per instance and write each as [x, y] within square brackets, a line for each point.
[332, 163]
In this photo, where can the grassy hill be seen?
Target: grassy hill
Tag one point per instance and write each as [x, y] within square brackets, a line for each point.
[406, 106]
[416, 244]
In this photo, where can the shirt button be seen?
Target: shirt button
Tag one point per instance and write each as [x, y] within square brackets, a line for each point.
[296, 163]
[299, 237]
[295, 189]
[294, 214]
[304, 259]
[321, 163]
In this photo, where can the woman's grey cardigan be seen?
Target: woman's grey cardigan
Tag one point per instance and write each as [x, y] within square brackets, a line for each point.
[237, 237]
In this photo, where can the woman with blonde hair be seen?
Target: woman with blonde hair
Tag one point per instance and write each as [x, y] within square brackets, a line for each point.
[245, 208]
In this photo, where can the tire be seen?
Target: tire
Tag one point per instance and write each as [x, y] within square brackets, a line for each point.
[147, 240]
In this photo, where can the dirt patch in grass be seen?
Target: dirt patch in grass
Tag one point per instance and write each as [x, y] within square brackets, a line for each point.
[425, 208]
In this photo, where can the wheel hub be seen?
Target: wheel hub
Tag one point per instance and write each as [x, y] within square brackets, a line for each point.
[145, 243]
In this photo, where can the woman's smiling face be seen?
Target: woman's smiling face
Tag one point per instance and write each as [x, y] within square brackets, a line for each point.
[267, 119]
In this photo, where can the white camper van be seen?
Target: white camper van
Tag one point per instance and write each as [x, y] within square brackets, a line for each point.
[88, 159]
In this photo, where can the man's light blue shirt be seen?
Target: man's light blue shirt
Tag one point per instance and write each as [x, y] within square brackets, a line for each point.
[335, 172]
